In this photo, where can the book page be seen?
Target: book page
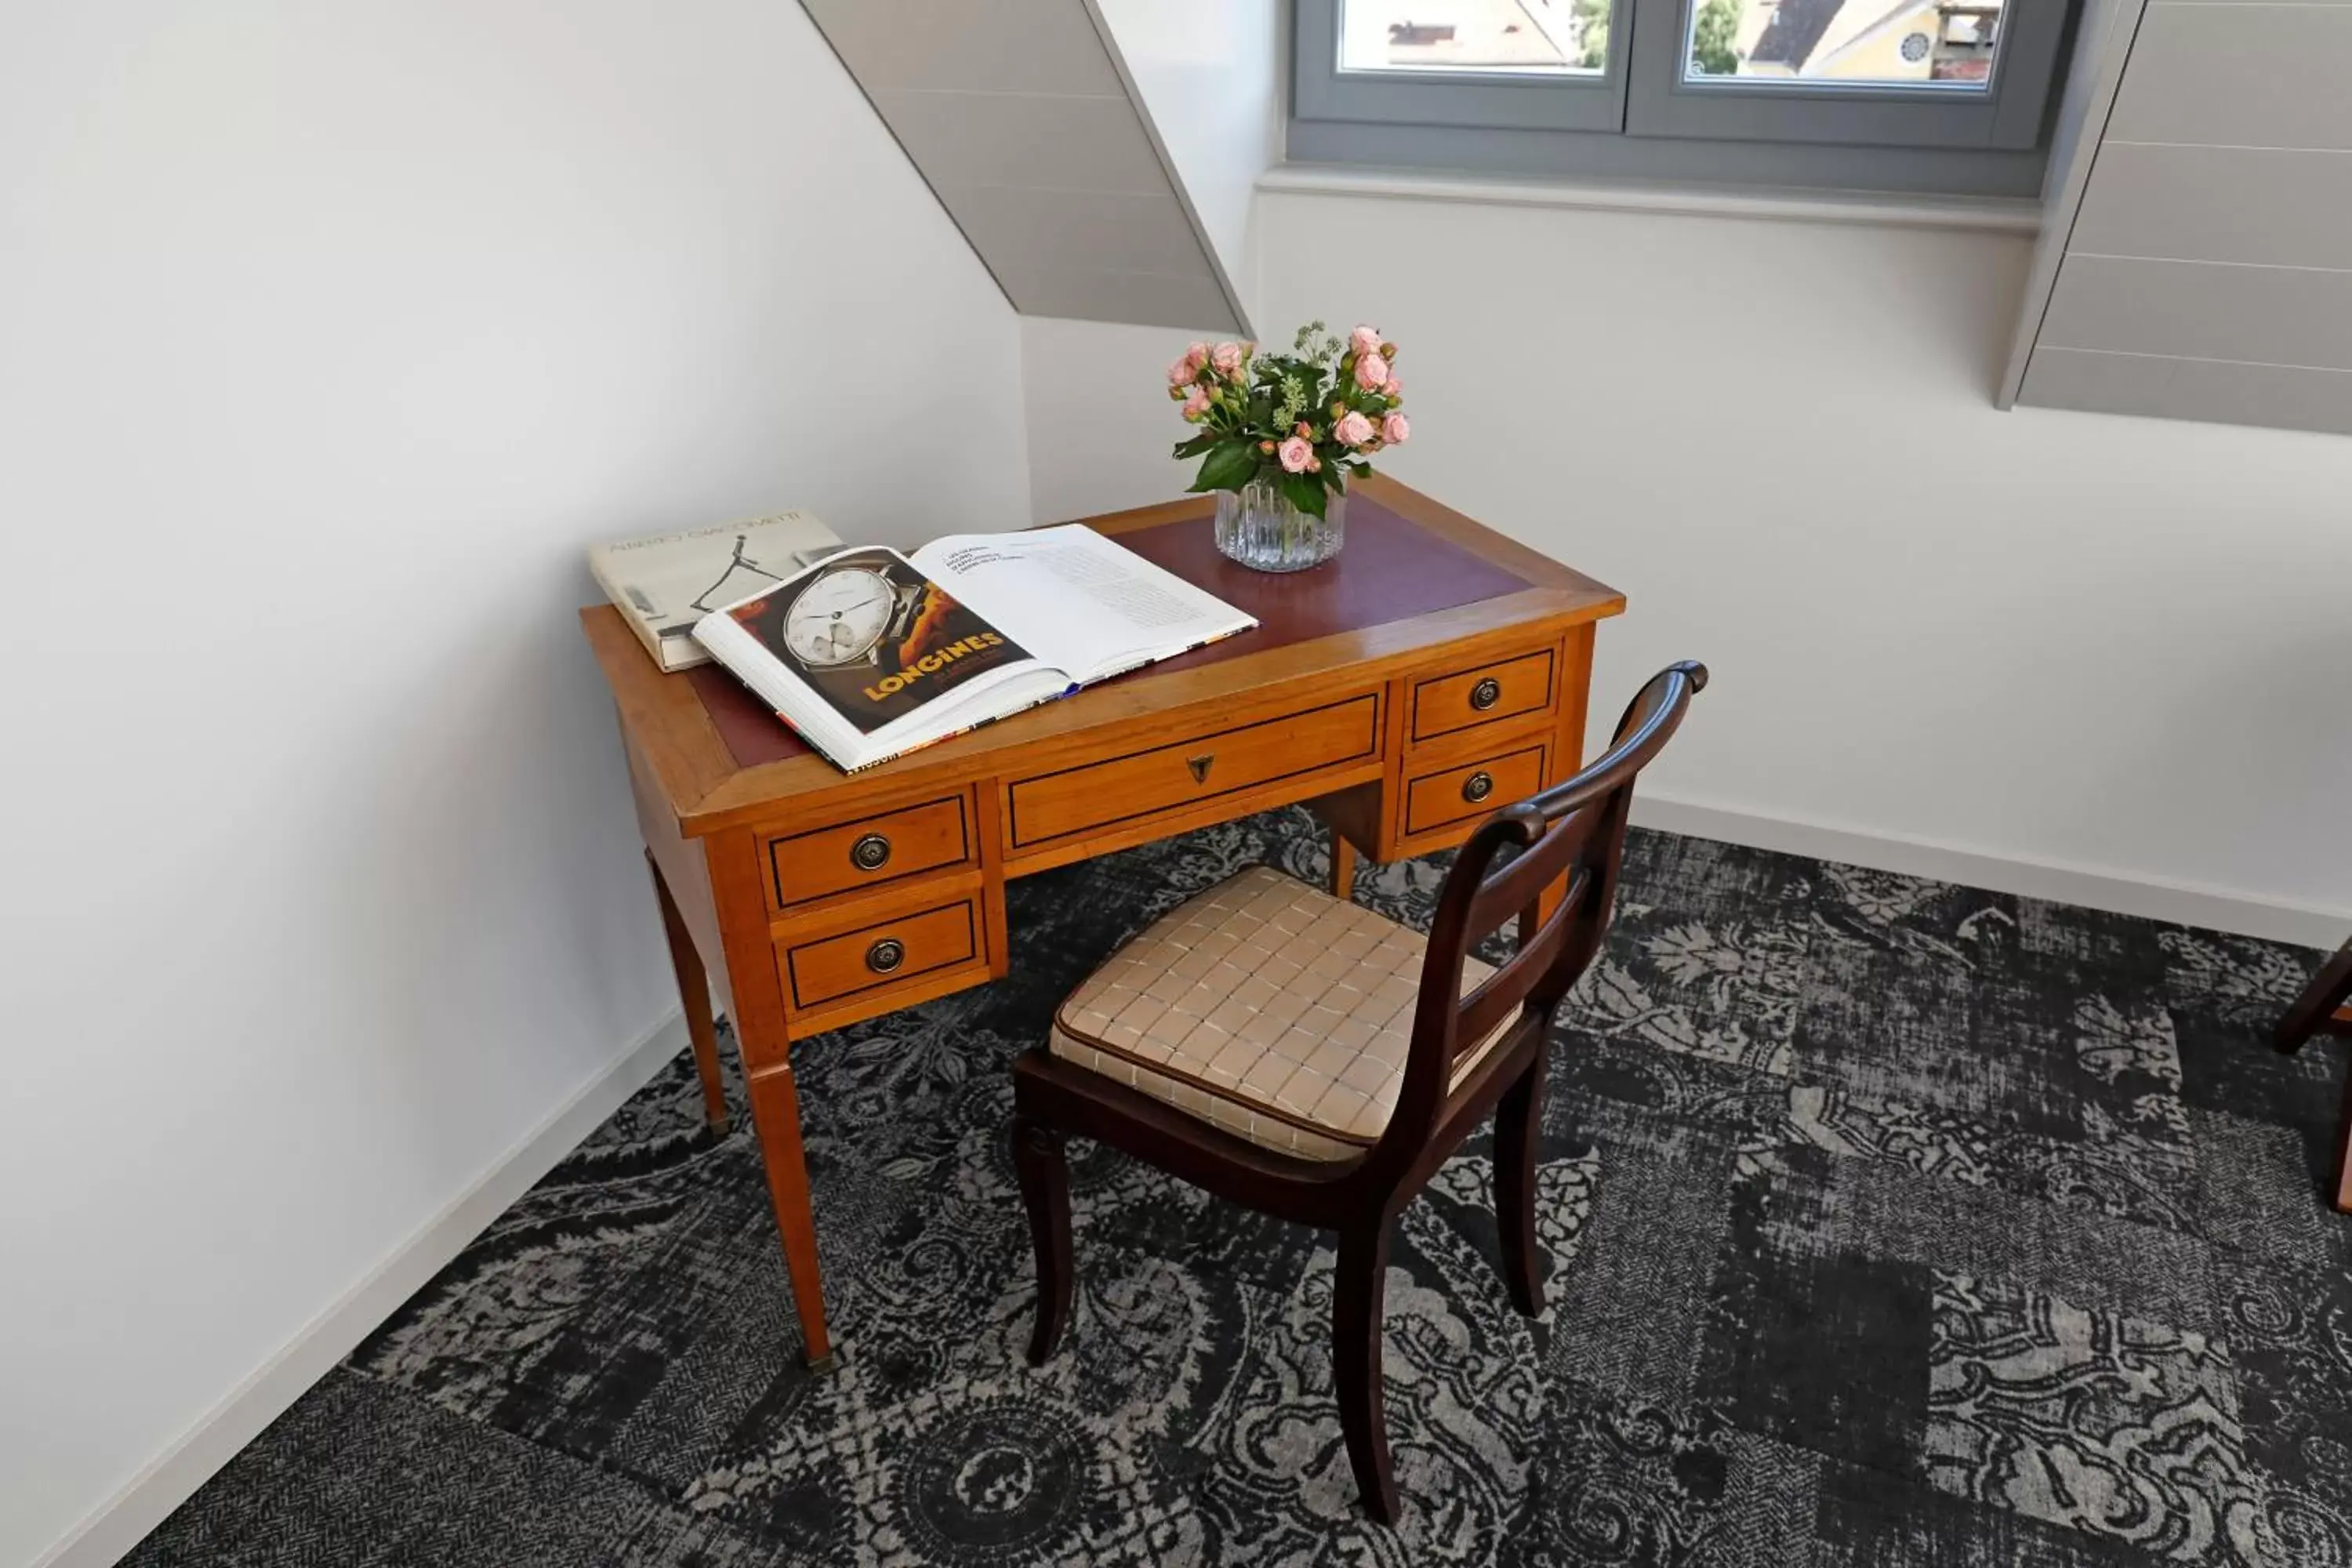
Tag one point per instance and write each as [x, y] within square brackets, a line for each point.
[870, 637]
[1079, 600]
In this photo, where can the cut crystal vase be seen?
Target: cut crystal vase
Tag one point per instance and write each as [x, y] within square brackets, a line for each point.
[1258, 527]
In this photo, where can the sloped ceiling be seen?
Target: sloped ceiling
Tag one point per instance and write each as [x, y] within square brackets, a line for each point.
[1019, 115]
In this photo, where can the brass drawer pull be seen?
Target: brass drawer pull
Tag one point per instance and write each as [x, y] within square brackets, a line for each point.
[1478, 787]
[1485, 694]
[870, 853]
[885, 955]
[1200, 766]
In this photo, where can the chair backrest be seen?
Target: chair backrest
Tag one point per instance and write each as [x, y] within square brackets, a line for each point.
[1574, 830]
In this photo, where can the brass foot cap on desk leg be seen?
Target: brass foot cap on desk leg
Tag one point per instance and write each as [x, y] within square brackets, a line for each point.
[822, 1363]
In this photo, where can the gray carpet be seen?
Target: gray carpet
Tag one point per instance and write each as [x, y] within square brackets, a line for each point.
[1887, 1223]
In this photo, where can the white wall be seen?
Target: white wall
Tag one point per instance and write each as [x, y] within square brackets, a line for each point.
[1210, 77]
[330, 335]
[1100, 422]
[2113, 650]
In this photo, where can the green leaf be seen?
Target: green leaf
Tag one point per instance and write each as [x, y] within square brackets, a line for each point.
[1303, 491]
[1228, 467]
[1362, 471]
[1198, 443]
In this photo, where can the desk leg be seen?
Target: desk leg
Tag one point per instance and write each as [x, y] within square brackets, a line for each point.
[1343, 866]
[1568, 747]
[694, 996]
[738, 866]
[776, 1113]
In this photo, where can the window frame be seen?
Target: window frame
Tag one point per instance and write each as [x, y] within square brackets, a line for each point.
[1662, 102]
[1642, 115]
[1492, 100]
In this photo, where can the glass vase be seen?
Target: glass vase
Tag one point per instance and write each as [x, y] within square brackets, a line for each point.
[1258, 527]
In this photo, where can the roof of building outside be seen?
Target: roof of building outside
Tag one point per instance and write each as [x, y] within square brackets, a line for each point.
[1797, 26]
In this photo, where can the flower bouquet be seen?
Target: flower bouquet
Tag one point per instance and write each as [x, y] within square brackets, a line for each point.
[1281, 434]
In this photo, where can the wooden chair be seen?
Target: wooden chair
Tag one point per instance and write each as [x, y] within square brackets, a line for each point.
[2325, 1009]
[1316, 1061]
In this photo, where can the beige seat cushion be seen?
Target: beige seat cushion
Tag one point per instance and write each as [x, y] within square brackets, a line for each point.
[1266, 1007]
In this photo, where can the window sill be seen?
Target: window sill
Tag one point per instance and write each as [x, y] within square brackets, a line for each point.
[1981, 214]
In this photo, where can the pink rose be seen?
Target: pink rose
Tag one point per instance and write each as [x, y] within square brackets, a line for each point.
[1372, 372]
[1181, 372]
[1396, 384]
[1354, 429]
[1197, 355]
[1296, 454]
[1396, 428]
[1365, 341]
[1226, 358]
[1198, 403]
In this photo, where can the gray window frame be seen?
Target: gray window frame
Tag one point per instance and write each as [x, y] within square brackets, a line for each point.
[1662, 100]
[1490, 99]
[1641, 118]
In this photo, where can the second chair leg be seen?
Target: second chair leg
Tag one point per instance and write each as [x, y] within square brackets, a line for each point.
[1044, 1174]
[1358, 1290]
[1516, 1117]
[2317, 1010]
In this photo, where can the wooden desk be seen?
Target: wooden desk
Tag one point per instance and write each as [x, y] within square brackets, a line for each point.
[1434, 672]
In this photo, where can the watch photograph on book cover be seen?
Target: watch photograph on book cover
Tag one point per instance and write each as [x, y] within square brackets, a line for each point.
[874, 638]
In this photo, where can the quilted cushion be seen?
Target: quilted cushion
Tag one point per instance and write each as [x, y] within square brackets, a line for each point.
[1266, 1007]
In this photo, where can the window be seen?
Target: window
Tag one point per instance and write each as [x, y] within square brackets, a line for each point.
[1535, 37]
[1939, 47]
[1897, 94]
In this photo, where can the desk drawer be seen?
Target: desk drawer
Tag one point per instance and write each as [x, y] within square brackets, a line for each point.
[1467, 790]
[1485, 693]
[1223, 761]
[870, 851]
[887, 953]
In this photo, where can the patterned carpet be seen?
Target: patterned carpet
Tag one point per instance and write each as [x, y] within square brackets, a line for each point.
[1888, 1222]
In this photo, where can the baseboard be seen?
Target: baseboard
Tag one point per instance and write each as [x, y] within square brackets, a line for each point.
[117, 1525]
[2180, 903]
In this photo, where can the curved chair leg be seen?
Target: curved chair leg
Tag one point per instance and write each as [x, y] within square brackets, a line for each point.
[1516, 1119]
[1356, 1300]
[1044, 1175]
[2323, 1006]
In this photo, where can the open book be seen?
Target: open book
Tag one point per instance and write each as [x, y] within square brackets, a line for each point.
[869, 653]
